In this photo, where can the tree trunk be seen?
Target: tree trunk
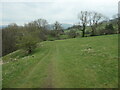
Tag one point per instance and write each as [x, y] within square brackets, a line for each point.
[93, 31]
[29, 50]
[83, 34]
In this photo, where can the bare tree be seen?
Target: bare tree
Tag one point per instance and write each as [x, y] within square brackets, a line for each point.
[38, 24]
[83, 17]
[58, 28]
[41, 23]
[95, 19]
[39, 27]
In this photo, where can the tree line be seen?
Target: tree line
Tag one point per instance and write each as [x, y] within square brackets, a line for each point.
[26, 37]
[93, 20]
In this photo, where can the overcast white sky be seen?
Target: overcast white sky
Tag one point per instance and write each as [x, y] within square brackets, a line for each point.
[64, 11]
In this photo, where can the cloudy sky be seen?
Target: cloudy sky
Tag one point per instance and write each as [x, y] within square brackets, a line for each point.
[64, 11]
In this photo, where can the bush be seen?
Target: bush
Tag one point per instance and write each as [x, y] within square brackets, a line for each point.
[109, 29]
[27, 43]
[72, 34]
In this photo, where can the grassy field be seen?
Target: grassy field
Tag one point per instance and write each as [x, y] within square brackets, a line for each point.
[90, 62]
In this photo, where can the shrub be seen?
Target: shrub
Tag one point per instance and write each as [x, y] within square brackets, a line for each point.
[72, 34]
[27, 43]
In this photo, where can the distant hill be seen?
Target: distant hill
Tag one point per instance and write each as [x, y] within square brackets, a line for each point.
[50, 26]
[3, 26]
[64, 26]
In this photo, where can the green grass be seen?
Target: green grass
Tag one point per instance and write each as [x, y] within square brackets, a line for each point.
[64, 37]
[89, 62]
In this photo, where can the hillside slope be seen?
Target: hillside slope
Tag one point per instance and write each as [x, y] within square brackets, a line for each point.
[89, 62]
